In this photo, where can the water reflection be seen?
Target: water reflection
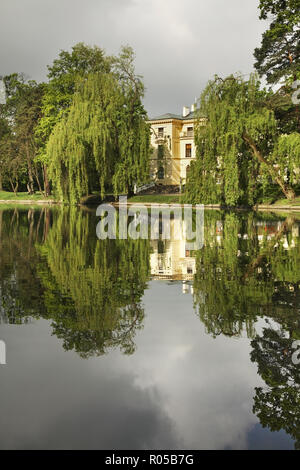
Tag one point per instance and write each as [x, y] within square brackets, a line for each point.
[53, 267]
[91, 291]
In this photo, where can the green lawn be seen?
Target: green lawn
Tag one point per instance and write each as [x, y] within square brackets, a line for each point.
[171, 199]
[286, 202]
[7, 196]
[143, 198]
[157, 198]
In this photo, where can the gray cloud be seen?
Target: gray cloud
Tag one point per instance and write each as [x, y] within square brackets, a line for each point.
[179, 45]
[55, 400]
[181, 389]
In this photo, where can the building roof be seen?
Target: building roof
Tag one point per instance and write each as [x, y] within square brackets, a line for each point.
[166, 116]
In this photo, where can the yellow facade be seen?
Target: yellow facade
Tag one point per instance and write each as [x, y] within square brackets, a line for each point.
[172, 139]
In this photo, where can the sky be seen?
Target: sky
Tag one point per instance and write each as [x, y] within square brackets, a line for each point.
[179, 45]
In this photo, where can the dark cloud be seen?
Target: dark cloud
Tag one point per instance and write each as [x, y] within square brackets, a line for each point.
[55, 400]
[181, 389]
[179, 44]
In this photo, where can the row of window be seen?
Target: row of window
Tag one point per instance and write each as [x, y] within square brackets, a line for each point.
[188, 151]
[161, 130]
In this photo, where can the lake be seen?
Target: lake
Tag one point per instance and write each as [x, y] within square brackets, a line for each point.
[145, 344]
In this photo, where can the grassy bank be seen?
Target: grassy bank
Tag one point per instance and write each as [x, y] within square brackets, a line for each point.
[95, 199]
[8, 196]
[157, 198]
[286, 202]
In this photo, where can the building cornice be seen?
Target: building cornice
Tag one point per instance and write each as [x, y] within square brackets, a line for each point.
[163, 121]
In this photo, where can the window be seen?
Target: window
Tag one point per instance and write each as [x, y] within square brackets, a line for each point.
[161, 246]
[190, 131]
[188, 150]
[161, 173]
[160, 152]
[160, 132]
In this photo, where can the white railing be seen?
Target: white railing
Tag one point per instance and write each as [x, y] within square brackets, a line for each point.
[138, 189]
[187, 134]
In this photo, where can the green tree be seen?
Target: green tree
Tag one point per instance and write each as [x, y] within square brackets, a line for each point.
[26, 119]
[239, 146]
[279, 54]
[104, 138]
[20, 116]
[134, 140]
[278, 58]
[63, 75]
[4, 137]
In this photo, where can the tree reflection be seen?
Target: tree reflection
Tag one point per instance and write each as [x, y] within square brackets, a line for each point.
[277, 405]
[94, 288]
[91, 290]
[20, 288]
[54, 267]
[248, 269]
[245, 266]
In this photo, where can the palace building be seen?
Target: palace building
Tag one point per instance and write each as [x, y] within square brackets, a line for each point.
[172, 139]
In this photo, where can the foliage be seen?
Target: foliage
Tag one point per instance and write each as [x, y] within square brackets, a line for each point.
[63, 75]
[19, 117]
[104, 138]
[85, 129]
[279, 53]
[238, 145]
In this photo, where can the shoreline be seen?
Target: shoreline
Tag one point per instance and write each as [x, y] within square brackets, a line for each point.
[27, 201]
[258, 207]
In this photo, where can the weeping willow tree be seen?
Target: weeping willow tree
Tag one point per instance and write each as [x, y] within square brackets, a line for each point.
[103, 141]
[239, 147]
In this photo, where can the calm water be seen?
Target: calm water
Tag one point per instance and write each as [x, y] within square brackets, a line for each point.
[122, 344]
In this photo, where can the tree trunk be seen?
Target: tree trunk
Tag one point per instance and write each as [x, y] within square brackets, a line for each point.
[1, 215]
[46, 182]
[14, 188]
[30, 173]
[36, 174]
[286, 189]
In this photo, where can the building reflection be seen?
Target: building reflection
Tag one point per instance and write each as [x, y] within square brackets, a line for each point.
[171, 259]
